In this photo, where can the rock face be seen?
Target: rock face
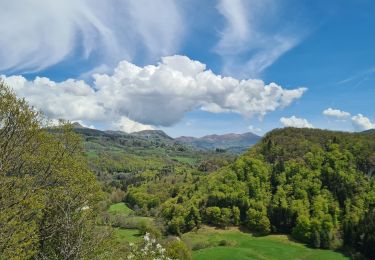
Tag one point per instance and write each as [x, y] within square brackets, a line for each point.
[236, 143]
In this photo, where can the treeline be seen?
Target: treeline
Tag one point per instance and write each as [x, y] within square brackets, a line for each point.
[312, 184]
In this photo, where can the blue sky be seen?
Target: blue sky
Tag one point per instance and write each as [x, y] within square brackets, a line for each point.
[320, 55]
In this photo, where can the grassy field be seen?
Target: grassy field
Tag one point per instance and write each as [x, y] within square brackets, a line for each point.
[124, 235]
[120, 208]
[209, 243]
[187, 160]
[128, 235]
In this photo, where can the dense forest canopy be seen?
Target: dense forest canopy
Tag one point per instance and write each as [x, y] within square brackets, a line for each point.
[313, 184]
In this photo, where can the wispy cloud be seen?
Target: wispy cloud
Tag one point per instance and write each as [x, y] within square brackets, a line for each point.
[36, 34]
[359, 77]
[254, 37]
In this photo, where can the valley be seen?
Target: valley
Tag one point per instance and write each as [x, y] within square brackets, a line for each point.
[166, 187]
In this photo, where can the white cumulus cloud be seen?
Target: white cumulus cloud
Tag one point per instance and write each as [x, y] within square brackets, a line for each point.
[361, 123]
[339, 114]
[295, 122]
[129, 126]
[157, 95]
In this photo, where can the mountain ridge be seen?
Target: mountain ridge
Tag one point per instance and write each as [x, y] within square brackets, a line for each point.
[231, 142]
[235, 143]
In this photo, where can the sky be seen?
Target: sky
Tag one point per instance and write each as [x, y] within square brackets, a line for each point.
[192, 67]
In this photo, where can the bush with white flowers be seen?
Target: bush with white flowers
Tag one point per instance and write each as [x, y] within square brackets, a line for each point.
[149, 249]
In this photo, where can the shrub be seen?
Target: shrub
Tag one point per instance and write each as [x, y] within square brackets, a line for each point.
[176, 249]
[149, 248]
[146, 228]
[201, 245]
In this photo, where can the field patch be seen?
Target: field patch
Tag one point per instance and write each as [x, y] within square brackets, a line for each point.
[124, 235]
[120, 208]
[211, 243]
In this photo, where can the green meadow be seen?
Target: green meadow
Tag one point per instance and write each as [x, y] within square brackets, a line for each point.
[120, 208]
[125, 235]
[211, 243]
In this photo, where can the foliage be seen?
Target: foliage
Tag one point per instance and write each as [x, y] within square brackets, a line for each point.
[177, 249]
[148, 249]
[49, 200]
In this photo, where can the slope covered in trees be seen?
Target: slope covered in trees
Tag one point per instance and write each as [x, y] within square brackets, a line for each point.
[312, 184]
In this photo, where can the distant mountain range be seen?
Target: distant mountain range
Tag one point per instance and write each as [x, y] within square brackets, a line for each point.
[233, 143]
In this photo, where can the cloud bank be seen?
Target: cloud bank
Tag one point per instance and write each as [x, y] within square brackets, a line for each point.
[294, 121]
[136, 97]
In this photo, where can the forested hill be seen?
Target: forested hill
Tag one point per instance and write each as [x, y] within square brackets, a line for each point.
[313, 184]
[235, 143]
[369, 131]
[286, 144]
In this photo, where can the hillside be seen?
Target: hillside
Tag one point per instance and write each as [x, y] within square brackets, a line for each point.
[315, 185]
[119, 158]
[235, 143]
[369, 131]
[231, 143]
[149, 142]
[310, 183]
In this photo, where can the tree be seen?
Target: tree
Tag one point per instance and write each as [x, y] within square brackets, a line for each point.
[193, 219]
[315, 239]
[302, 231]
[236, 215]
[225, 218]
[213, 215]
[176, 225]
[49, 200]
[258, 221]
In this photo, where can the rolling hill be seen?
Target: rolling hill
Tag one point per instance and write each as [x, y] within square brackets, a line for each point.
[235, 143]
